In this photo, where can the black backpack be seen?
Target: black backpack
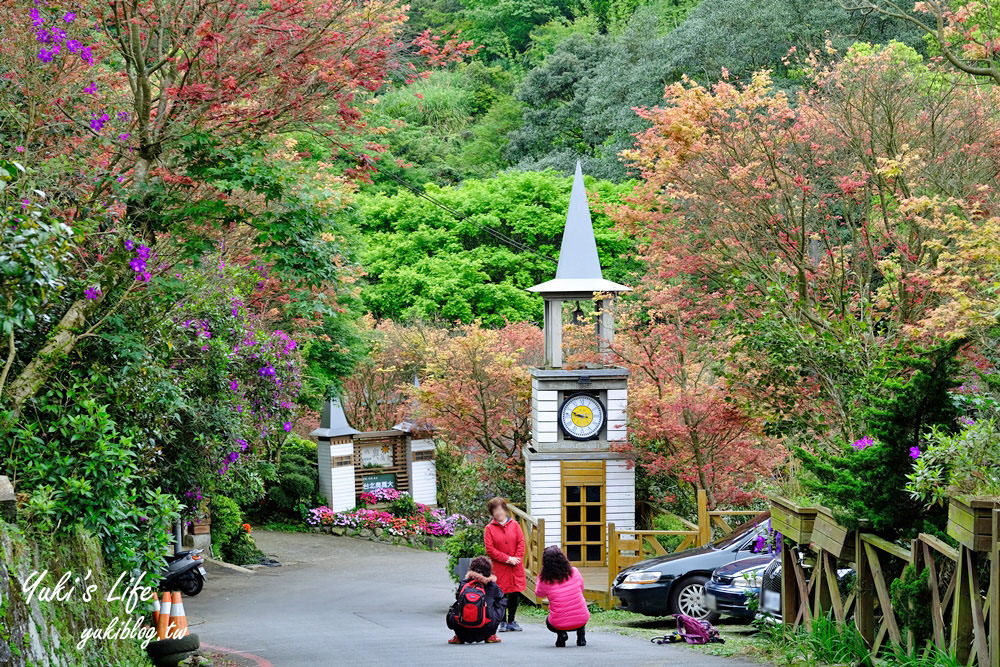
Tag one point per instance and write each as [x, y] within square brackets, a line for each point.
[469, 610]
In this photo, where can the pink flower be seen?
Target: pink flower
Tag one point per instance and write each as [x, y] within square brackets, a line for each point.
[92, 293]
[863, 443]
[914, 453]
[20, 149]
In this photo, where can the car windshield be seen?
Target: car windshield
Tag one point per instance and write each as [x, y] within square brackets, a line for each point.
[741, 533]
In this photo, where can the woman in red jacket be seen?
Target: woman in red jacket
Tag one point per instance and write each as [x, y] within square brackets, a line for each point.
[505, 547]
[562, 584]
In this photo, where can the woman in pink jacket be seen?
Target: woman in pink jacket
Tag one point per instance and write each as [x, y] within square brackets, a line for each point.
[562, 584]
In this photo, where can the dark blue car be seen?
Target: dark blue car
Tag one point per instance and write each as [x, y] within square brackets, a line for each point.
[728, 589]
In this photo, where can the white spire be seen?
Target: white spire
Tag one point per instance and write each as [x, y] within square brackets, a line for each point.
[579, 267]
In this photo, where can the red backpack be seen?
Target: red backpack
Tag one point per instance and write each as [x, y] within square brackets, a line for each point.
[469, 610]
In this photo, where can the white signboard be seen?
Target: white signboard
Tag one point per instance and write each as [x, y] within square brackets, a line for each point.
[376, 456]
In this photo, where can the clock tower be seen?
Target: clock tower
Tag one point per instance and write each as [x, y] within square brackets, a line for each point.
[574, 479]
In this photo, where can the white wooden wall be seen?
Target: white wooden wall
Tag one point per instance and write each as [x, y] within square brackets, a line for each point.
[544, 482]
[544, 411]
[620, 494]
[341, 480]
[423, 474]
[323, 469]
[617, 404]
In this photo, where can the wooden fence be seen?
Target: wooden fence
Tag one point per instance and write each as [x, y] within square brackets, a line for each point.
[964, 611]
[629, 546]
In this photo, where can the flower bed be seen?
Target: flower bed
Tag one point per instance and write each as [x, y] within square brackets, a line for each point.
[417, 520]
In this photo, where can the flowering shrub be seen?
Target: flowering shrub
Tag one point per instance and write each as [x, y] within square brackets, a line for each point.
[379, 496]
[967, 462]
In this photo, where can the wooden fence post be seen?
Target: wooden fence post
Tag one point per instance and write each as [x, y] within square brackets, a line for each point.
[612, 555]
[961, 617]
[790, 601]
[864, 607]
[994, 601]
[541, 544]
[704, 519]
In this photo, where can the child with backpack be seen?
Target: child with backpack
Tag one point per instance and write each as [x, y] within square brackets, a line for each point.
[562, 584]
[479, 605]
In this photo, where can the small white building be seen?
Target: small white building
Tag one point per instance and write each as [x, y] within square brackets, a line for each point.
[573, 478]
[351, 462]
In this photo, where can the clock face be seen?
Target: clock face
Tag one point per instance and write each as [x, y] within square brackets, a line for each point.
[581, 416]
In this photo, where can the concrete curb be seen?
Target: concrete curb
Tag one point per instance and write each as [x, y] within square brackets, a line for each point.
[229, 566]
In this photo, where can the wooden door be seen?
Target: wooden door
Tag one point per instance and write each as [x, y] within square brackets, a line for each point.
[583, 503]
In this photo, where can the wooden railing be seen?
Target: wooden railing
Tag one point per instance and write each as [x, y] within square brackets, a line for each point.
[627, 547]
[964, 621]
[534, 545]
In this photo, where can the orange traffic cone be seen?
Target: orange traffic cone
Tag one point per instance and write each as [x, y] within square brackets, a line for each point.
[156, 608]
[178, 621]
[164, 618]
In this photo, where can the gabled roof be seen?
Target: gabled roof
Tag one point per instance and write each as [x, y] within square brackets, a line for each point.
[579, 269]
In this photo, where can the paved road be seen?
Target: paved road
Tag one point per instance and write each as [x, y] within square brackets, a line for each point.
[342, 601]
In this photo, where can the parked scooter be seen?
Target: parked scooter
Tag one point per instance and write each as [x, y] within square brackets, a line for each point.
[185, 573]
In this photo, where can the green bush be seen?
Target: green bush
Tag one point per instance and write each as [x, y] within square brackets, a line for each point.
[467, 543]
[230, 540]
[296, 481]
[403, 506]
[227, 522]
[911, 600]
[668, 522]
[81, 467]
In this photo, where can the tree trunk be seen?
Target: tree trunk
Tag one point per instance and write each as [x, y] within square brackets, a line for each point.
[61, 342]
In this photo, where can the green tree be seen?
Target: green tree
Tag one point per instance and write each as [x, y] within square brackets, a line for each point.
[867, 480]
[424, 262]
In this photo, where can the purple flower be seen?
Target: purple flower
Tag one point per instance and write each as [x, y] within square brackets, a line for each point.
[123, 137]
[36, 17]
[234, 385]
[25, 203]
[74, 46]
[137, 264]
[45, 56]
[123, 116]
[966, 421]
[69, 16]
[267, 370]
[92, 88]
[92, 293]
[86, 55]
[129, 244]
[97, 122]
[914, 453]
[287, 426]
[863, 443]
[242, 443]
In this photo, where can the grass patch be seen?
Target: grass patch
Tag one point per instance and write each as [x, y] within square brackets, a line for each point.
[741, 637]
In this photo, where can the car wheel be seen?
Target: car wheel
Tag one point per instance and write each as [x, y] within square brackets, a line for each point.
[688, 598]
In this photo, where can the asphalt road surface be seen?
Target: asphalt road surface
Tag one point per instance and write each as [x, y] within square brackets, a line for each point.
[343, 601]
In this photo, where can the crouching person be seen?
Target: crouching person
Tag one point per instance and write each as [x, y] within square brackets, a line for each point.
[562, 584]
[479, 605]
